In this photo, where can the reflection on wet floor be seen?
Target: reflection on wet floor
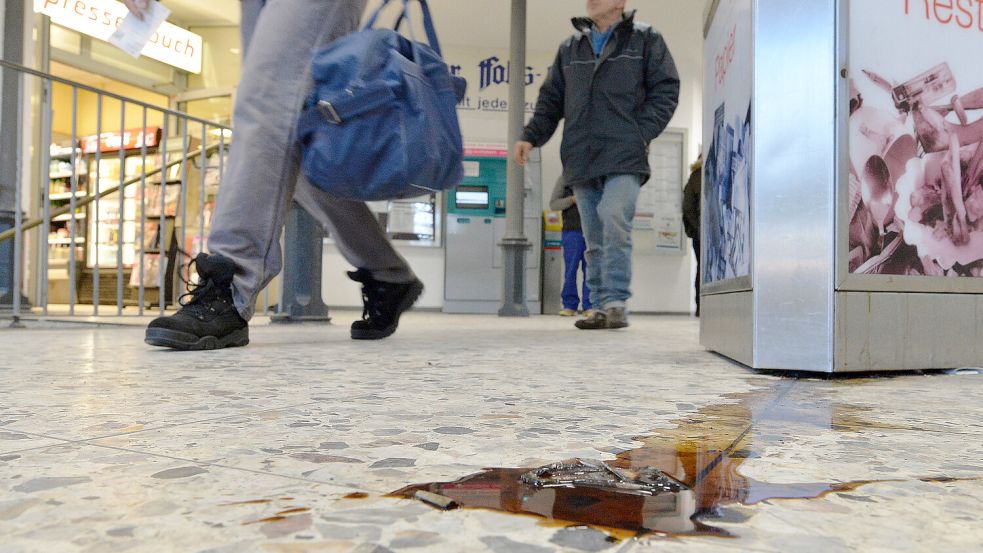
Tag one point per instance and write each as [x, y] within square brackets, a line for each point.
[701, 455]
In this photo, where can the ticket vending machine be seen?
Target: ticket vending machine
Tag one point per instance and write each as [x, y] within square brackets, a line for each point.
[475, 228]
[552, 287]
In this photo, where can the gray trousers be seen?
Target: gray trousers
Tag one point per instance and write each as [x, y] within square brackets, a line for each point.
[263, 173]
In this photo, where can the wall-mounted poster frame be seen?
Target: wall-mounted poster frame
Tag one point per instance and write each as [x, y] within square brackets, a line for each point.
[658, 212]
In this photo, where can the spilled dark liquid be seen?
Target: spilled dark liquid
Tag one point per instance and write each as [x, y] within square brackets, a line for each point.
[711, 476]
[704, 453]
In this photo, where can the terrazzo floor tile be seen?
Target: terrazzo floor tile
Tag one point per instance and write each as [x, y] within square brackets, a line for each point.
[261, 448]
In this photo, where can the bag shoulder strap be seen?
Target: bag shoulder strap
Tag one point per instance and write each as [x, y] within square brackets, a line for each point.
[428, 25]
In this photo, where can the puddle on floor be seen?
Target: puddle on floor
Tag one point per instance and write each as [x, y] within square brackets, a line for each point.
[702, 454]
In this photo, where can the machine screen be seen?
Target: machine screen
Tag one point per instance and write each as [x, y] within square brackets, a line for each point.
[471, 197]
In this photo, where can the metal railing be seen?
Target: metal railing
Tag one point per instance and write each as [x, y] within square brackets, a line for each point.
[113, 216]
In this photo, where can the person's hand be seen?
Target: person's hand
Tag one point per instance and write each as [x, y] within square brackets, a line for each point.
[522, 149]
[138, 7]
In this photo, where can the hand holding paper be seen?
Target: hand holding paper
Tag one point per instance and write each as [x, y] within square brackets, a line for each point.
[137, 7]
[138, 27]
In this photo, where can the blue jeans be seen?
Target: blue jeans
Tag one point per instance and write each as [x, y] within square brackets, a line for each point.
[607, 207]
[574, 247]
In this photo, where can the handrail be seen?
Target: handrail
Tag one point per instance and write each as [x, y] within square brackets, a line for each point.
[31, 223]
[23, 69]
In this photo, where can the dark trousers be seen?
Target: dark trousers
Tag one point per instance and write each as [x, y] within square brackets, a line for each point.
[574, 247]
[696, 250]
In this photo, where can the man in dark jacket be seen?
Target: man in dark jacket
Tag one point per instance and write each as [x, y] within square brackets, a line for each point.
[691, 216]
[615, 84]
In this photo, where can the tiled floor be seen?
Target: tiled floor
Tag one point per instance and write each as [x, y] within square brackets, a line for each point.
[109, 445]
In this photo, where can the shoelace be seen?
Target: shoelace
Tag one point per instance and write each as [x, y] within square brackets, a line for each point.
[372, 301]
[192, 300]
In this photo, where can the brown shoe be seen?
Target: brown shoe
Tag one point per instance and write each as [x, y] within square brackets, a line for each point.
[617, 317]
[597, 321]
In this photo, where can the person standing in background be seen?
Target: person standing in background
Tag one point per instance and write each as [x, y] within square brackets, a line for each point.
[574, 247]
[691, 216]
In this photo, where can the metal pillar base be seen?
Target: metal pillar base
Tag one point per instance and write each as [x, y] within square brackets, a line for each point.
[301, 303]
[514, 267]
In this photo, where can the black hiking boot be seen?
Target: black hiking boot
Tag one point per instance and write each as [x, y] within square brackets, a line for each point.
[383, 303]
[209, 319]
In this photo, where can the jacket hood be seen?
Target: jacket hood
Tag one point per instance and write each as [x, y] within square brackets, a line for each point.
[584, 24]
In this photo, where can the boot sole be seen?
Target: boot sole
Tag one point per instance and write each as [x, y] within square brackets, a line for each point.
[404, 306]
[175, 339]
[609, 326]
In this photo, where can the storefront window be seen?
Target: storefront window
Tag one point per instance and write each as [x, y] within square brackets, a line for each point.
[216, 108]
[221, 58]
[134, 225]
[66, 40]
[142, 67]
[209, 94]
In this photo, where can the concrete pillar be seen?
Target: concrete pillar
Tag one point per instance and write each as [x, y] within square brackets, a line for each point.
[11, 50]
[302, 250]
[515, 245]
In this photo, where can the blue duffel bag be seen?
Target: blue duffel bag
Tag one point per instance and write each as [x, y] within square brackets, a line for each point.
[381, 122]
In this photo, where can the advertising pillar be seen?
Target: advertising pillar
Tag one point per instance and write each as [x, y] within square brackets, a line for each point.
[725, 214]
[843, 196]
[911, 185]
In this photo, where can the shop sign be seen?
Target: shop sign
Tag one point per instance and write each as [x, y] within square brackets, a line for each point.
[127, 140]
[487, 73]
[99, 18]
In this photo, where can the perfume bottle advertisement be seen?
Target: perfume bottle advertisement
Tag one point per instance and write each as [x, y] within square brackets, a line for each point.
[726, 200]
[915, 186]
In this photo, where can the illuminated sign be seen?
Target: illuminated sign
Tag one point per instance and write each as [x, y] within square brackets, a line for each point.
[100, 18]
[128, 140]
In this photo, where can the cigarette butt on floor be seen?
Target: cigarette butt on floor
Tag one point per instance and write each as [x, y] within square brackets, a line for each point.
[437, 500]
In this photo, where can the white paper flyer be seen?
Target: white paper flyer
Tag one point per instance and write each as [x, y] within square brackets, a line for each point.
[133, 34]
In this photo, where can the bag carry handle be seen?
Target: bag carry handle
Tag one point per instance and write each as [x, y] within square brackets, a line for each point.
[427, 22]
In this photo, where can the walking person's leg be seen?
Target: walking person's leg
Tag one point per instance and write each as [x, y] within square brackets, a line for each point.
[357, 233]
[589, 195]
[696, 250]
[572, 254]
[263, 162]
[616, 212]
[262, 172]
[249, 11]
[389, 286]
[585, 300]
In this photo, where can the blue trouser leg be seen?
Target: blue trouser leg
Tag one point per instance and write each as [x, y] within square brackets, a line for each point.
[585, 295]
[607, 208]
[588, 197]
[573, 253]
